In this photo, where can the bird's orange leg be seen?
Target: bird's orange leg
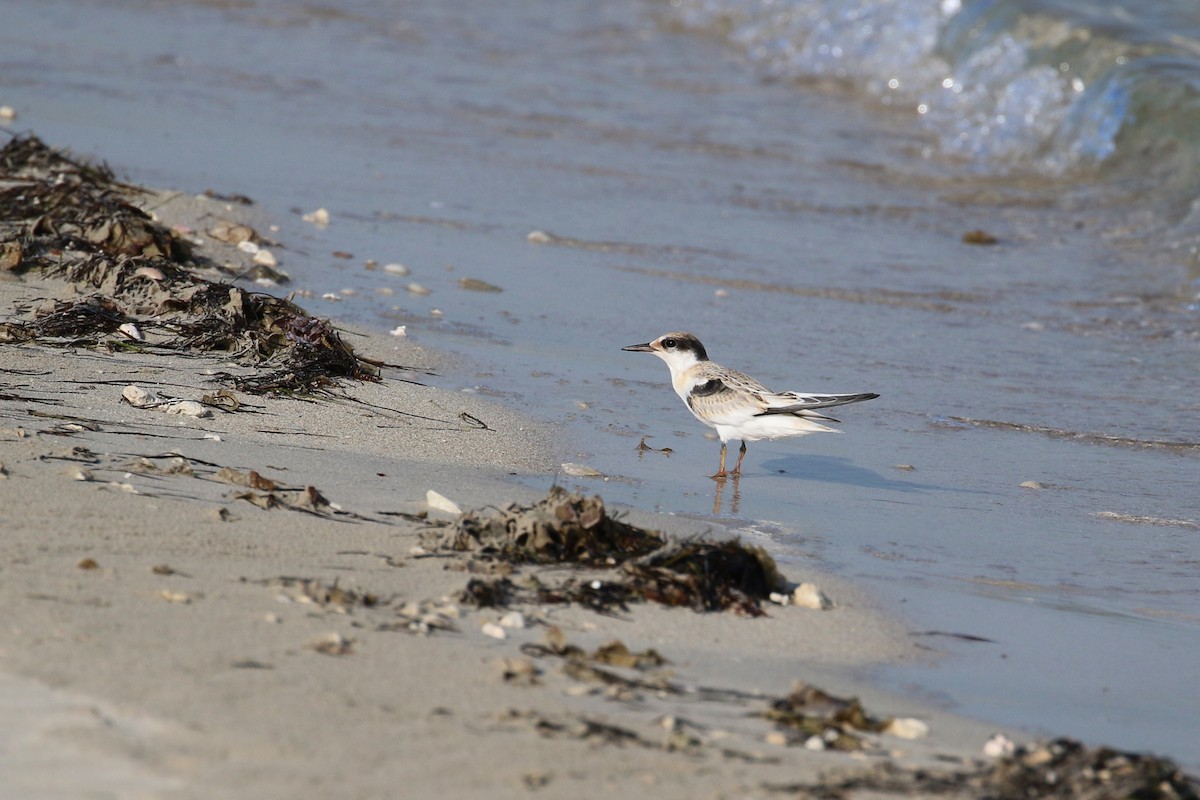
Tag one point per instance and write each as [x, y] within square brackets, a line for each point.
[737, 468]
[721, 473]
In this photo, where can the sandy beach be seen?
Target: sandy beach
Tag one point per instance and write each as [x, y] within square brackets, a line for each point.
[247, 603]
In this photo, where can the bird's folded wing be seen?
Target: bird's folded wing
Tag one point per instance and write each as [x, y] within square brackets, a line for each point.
[797, 403]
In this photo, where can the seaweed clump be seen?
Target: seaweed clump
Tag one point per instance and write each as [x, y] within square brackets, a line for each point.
[75, 221]
[570, 529]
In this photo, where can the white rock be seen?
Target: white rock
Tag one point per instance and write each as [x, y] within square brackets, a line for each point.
[808, 595]
[907, 728]
[247, 246]
[395, 269]
[437, 502]
[493, 630]
[138, 397]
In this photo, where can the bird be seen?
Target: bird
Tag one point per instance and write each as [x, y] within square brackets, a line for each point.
[738, 406]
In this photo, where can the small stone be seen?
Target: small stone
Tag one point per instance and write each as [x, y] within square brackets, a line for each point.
[395, 269]
[399, 331]
[905, 467]
[248, 246]
[8, 113]
[1033, 485]
[183, 598]
[776, 738]
[81, 474]
[814, 743]
[417, 289]
[493, 630]
[780, 598]
[539, 237]
[87, 564]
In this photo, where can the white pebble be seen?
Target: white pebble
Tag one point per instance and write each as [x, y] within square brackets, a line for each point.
[247, 246]
[538, 237]
[395, 269]
[399, 331]
[999, 746]
[8, 113]
[416, 288]
[493, 630]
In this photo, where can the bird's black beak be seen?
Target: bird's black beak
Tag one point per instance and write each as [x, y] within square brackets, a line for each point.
[639, 348]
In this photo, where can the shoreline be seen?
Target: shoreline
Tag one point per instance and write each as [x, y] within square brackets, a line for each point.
[157, 605]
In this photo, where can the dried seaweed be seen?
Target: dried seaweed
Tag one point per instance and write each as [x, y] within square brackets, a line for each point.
[560, 528]
[578, 531]
[73, 220]
[1062, 769]
[810, 711]
[706, 576]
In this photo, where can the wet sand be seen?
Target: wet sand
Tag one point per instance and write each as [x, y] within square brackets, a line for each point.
[159, 640]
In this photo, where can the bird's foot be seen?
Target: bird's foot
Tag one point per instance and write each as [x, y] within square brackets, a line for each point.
[720, 476]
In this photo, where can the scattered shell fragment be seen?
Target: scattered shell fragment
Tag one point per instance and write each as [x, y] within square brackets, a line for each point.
[81, 474]
[580, 471]
[231, 232]
[265, 258]
[8, 113]
[905, 467]
[417, 289]
[513, 619]
[248, 247]
[320, 217]
[907, 728]
[153, 273]
[399, 331]
[777, 738]
[438, 502]
[1033, 485]
[395, 269]
[330, 296]
[493, 630]
[539, 237]
[999, 746]
[143, 398]
[809, 595]
[333, 644]
[183, 598]
[131, 330]
[476, 285]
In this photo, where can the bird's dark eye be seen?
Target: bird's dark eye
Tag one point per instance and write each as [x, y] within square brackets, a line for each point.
[669, 344]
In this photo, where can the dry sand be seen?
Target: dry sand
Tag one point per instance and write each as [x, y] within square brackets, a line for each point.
[155, 642]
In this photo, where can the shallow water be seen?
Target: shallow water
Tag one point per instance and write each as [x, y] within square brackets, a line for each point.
[807, 235]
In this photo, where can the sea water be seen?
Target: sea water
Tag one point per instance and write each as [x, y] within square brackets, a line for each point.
[793, 182]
